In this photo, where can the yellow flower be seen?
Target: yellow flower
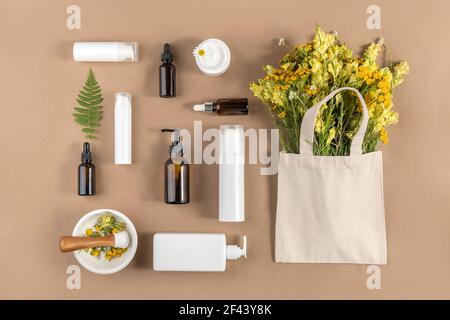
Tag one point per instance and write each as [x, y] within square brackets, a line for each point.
[384, 137]
[282, 115]
[285, 66]
[277, 98]
[387, 99]
[383, 84]
[390, 117]
[331, 135]
[315, 65]
[400, 70]
[371, 53]
[95, 253]
[322, 41]
[318, 126]
[256, 89]
[301, 71]
[311, 90]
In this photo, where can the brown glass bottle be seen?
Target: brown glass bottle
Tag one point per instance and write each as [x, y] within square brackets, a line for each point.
[225, 107]
[176, 182]
[176, 172]
[86, 173]
[167, 74]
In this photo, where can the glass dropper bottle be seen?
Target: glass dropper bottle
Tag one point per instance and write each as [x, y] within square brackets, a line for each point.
[225, 107]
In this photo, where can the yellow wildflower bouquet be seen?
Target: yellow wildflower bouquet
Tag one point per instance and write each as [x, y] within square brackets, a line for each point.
[309, 73]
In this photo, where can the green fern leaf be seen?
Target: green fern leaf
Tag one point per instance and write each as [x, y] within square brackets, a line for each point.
[93, 110]
[89, 110]
[87, 118]
[87, 130]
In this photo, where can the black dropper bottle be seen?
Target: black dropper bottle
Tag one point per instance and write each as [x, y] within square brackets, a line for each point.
[176, 172]
[86, 173]
[167, 74]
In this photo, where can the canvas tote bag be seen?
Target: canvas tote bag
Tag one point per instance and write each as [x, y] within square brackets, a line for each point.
[330, 208]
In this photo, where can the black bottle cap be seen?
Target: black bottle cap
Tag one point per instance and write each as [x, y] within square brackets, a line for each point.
[167, 55]
[86, 156]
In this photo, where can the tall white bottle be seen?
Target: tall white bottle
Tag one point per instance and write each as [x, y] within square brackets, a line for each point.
[194, 251]
[231, 173]
[122, 128]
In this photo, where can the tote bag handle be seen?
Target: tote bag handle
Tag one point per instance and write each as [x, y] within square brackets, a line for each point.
[309, 120]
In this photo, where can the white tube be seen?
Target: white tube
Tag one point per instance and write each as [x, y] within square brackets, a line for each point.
[231, 173]
[105, 51]
[122, 128]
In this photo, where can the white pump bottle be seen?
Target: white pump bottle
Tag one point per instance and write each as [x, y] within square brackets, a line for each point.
[194, 251]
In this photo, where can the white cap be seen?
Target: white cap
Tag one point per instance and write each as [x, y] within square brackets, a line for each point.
[234, 252]
[122, 240]
[126, 52]
[123, 100]
[199, 107]
[122, 128]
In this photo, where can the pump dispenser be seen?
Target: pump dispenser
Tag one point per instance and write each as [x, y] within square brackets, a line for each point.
[194, 251]
[86, 173]
[176, 172]
[167, 74]
[225, 107]
[235, 252]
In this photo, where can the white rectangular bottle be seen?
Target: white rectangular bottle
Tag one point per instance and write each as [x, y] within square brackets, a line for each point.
[231, 173]
[194, 251]
[122, 128]
[105, 51]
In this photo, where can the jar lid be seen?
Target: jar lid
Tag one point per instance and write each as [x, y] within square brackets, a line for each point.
[213, 57]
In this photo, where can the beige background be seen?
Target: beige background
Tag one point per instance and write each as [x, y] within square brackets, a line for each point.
[40, 145]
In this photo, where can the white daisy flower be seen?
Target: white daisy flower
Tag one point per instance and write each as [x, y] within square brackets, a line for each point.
[199, 52]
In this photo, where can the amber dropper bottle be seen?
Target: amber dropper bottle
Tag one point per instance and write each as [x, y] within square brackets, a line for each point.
[167, 74]
[176, 172]
[86, 173]
[225, 107]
